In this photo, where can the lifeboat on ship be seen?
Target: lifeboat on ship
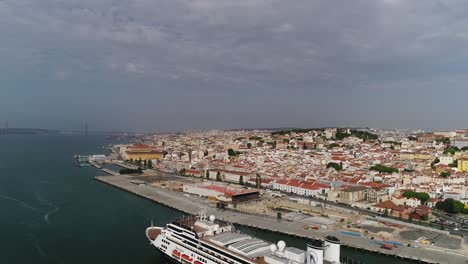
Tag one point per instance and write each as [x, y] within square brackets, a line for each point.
[186, 259]
[176, 254]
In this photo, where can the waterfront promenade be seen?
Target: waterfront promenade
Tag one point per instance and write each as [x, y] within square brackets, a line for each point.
[194, 205]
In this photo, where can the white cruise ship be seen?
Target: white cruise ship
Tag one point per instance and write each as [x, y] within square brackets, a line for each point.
[206, 240]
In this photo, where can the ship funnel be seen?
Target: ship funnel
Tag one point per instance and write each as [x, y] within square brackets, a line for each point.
[315, 252]
[281, 245]
[332, 249]
[273, 248]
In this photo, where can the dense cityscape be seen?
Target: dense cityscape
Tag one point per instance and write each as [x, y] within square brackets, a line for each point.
[397, 189]
[400, 172]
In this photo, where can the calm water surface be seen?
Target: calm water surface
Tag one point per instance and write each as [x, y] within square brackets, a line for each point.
[52, 211]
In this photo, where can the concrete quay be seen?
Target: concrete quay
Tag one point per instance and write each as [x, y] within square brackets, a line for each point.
[111, 172]
[194, 205]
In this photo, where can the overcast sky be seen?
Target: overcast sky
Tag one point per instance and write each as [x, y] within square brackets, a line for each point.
[190, 64]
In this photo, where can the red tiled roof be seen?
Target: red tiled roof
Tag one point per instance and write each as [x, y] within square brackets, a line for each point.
[386, 204]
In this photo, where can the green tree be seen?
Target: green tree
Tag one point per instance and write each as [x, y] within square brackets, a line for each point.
[139, 163]
[422, 196]
[383, 169]
[131, 160]
[182, 171]
[386, 212]
[445, 174]
[145, 163]
[451, 150]
[218, 176]
[150, 164]
[333, 145]
[444, 140]
[451, 206]
[249, 145]
[464, 148]
[334, 165]
[207, 175]
[454, 164]
[241, 180]
[231, 152]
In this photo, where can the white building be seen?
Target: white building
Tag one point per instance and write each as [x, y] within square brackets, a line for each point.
[446, 160]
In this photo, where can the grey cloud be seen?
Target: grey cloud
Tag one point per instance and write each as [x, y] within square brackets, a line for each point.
[321, 49]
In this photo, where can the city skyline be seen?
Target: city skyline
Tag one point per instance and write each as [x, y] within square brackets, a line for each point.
[180, 65]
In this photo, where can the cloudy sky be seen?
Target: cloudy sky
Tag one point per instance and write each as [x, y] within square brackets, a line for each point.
[189, 64]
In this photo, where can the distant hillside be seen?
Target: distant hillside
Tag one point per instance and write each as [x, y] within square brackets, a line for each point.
[26, 131]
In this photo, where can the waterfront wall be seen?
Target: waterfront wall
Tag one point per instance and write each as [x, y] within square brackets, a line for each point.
[195, 205]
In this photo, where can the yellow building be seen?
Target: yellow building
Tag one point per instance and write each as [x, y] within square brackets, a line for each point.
[407, 155]
[463, 164]
[143, 152]
[423, 156]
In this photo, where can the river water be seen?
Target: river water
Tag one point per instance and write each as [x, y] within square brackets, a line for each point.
[52, 211]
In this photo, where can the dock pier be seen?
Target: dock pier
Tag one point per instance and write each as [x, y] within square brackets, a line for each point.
[194, 205]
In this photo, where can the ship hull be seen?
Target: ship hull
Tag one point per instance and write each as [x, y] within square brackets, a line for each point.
[166, 259]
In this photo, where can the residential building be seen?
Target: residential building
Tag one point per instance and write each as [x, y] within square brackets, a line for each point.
[463, 164]
[352, 194]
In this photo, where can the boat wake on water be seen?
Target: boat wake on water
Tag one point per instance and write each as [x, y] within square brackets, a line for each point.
[21, 203]
[53, 211]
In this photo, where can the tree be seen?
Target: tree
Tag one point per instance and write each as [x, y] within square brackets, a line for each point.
[451, 206]
[451, 150]
[258, 181]
[381, 168]
[139, 170]
[334, 165]
[433, 163]
[445, 174]
[454, 164]
[150, 164]
[422, 196]
[386, 212]
[145, 163]
[249, 145]
[131, 160]
[207, 175]
[139, 162]
[241, 180]
[231, 152]
[182, 172]
[464, 148]
[412, 138]
[333, 145]
[218, 176]
[444, 140]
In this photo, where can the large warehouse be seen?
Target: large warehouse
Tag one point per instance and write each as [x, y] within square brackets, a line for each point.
[222, 192]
